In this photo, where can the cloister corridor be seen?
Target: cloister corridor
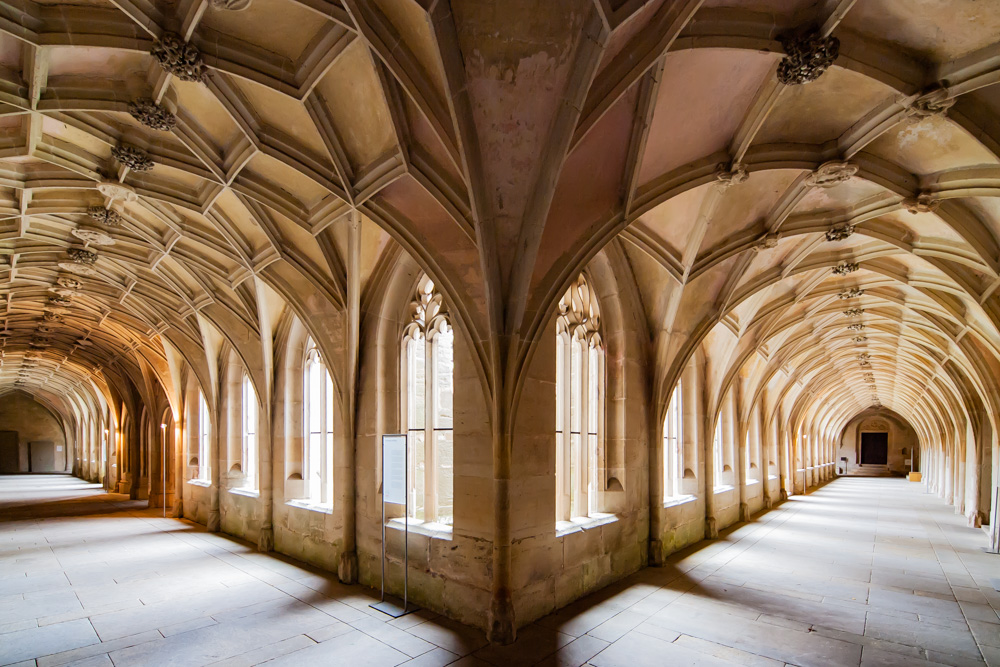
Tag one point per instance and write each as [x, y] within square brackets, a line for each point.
[860, 571]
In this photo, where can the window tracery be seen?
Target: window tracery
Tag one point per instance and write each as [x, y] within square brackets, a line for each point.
[427, 376]
[579, 401]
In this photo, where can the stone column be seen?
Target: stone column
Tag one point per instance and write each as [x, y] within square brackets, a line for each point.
[763, 457]
[265, 476]
[155, 469]
[972, 457]
[655, 429]
[347, 569]
[994, 462]
[179, 443]
[961, 470]
[782, 445]
[215, 457]
[135, 465]
[707, 456]
[740, 448]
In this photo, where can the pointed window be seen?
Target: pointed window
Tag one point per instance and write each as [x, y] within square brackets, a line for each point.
[249, 449]
[673, 449]
[204, 433]
[317, 456]
[427, 375]
[718, 455]
[579, 402]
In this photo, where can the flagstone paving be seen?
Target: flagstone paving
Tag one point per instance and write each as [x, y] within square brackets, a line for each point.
[858, 572]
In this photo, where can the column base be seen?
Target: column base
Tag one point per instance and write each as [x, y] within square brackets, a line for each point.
[214, 521]
[501, 629]
[656, 553]
[711, 529]
[744, 512]
[347, 570]
[265, 541]
[177, 512]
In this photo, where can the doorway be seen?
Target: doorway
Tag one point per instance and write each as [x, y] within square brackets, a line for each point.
[874, 449]
[10, 452]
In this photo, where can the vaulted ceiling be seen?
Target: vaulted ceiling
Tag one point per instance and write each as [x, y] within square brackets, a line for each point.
[195, 150]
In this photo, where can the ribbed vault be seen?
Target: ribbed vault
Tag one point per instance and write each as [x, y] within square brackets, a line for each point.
[177, 177]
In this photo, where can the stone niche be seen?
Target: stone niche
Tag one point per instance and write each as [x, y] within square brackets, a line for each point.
[902, 440]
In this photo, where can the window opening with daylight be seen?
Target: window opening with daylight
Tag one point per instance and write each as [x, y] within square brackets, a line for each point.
[717, 453]
[579, 401]
[317, 459]
[249, 449]
[673, 450]
[204, 431]
[427, 378]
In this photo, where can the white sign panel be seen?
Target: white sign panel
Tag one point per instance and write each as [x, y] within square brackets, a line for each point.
[394, 469]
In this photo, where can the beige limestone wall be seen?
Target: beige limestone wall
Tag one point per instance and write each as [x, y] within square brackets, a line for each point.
[452, 572]
[311, 534]
[727, 507]
[683, 522]
[33, 422]
[550, 568]
[197, 501]
[903, 440]
[448, 572]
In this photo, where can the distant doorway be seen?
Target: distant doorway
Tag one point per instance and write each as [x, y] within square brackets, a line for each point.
[875, 448]
[10, 456]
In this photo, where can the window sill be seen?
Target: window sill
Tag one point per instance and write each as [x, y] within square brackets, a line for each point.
[430, 529]
[722, 488]
[751, 482]
[312, 507]
[771, 477]
[249, 493]
[581, 523]
[674, 501]
[204, 483]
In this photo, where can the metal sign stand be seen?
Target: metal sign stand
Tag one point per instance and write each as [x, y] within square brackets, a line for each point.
[391, 606]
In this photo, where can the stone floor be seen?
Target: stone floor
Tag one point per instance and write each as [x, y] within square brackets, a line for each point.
[862, 571]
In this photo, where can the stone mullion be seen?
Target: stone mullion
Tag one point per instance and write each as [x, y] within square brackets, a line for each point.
[430, 451]
[325, 454]
[583, 454]
[564, 481]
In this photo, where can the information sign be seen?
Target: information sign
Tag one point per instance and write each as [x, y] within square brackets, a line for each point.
[394, 469]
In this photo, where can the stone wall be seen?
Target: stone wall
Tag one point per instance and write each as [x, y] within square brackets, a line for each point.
[33, 422]
[903, 442]
[452, 569]
[449, 571]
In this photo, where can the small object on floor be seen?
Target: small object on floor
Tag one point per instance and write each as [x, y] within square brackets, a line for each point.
[394, 607]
